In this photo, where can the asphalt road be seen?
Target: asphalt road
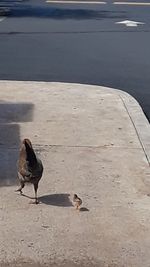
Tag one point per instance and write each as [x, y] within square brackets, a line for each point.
[78, 43]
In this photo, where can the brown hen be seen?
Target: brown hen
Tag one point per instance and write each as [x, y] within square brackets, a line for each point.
[30, 168]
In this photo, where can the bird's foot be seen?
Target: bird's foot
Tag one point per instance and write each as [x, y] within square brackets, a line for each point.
[34, 202]
[19, 190]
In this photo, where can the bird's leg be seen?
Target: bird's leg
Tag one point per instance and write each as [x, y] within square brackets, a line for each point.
[76, 206]
[35, 189]
[20, 188]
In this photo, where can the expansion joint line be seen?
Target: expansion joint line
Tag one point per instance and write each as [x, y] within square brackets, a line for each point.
[138, 135]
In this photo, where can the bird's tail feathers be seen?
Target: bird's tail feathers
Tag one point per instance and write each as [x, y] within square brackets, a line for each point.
[29, 152]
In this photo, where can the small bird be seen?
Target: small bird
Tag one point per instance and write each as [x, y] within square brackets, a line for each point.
[30, 167]
[77, 202]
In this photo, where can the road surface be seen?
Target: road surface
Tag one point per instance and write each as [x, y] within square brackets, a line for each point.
[78, 42]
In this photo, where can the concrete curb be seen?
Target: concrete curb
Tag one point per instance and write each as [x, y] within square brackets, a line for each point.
[136, 114]
[93, 141]
[139, 121]
[137, 117]
[133, 108]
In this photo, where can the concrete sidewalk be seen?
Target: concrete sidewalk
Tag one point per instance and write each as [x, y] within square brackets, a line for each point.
[93, 141]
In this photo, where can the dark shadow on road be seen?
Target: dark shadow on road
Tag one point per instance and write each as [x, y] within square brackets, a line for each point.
[11, 2]
[10, 115]
[64, 13]
[61, 200]
[40, 9]
[46, 11]
[68, 32]
[15, 112]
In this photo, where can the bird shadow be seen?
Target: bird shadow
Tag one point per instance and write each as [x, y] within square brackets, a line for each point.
[84, 209]
[60, 200]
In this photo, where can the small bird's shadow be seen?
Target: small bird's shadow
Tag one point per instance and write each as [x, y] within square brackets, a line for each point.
[60, 200]
[84, 209]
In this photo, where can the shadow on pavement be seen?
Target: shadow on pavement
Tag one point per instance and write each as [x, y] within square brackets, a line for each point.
[10, 116]
[84, 209]
[61, 200]
[64, 13]
[27, 9]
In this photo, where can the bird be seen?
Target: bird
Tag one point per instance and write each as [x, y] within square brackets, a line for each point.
[77, 202]
[30, 167]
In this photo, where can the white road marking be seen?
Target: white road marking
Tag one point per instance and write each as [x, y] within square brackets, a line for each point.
[2, 18]
[96, 2]
[130, 23]
[132, 3]
[75, 2]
